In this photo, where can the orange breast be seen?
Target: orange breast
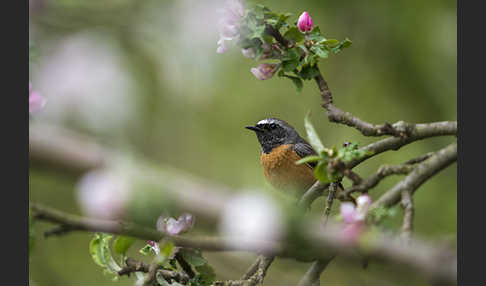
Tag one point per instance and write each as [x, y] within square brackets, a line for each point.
[281, 171]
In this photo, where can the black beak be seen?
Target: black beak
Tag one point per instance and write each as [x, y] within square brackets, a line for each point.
[254, 128]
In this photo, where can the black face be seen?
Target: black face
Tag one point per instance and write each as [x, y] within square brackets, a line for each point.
[273, 132]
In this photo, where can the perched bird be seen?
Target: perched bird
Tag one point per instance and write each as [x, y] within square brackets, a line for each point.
[281, 148]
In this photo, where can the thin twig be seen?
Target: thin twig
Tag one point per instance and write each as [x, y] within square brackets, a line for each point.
[133, 265]
[408, 212]
[421, 173]
[370, 182]
[311, 277]
[184, 265]
[330, 198]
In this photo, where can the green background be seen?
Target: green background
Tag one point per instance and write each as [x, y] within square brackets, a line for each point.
[185, 106]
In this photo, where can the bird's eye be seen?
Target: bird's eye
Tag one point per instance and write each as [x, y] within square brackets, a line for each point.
[273, 126]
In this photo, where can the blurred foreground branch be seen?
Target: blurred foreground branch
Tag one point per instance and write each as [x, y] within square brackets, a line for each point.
[311, 243]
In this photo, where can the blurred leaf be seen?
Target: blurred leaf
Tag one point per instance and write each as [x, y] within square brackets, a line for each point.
[312, 158]
[312, 135]
[297, 81]
[193, 257]
[161, 280]
[207, 273]
[147, 250]
[99, 249]
[166, 249]
[31, 232]
[122, 244]
[321, 172]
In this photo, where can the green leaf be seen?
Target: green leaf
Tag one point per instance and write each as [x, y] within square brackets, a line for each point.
[319, 51]
[147, 250]
[292, 54]
[99, 249]
[295, 34]
[308, 72]
[161, 280]
[330, 42]
[312, 158]
[207, 273]
[344, 44]
[320, 172]
[193, 257]
[290, 65]
[291, 59]
[122, 244]
[316, 36]
[312, 135]
[166, 249]
[297, 81]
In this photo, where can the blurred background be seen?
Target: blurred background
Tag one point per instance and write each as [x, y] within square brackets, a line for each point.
[143, 79]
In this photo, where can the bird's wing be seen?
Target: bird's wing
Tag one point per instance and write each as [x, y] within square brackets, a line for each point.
[304, 149]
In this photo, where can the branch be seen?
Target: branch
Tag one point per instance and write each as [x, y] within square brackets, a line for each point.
[419, 175]
[311, 277]
[312, 194]
[140, 266]
[270, 30]
[308, 243]
[334, 114]
[184, 265]
[419, 132]
[407, 204]
[383, 172]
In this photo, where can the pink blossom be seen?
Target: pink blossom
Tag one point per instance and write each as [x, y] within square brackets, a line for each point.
[229, 23]
[354, 218]
[103, 194]
[172, 226]
[154, 245]
[305, 22]
[264, 71]
[36, 101]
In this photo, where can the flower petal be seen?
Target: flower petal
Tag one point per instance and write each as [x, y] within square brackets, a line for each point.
[348, 212]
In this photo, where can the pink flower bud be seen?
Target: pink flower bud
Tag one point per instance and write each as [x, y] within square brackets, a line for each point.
[348, 212]
[305, 23]
[264, 71]
[174, 227]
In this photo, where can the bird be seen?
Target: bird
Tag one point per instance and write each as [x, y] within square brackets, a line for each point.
[281, 148]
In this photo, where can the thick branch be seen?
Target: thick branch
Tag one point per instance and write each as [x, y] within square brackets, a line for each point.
[419, 175]
[317, 244]
[399, 129]
[419, 132]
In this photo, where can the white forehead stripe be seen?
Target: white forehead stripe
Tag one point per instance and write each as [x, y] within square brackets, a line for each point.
[264, 121]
